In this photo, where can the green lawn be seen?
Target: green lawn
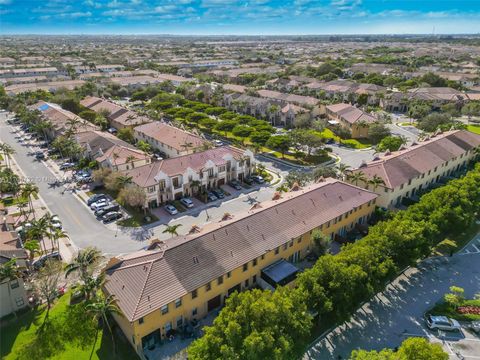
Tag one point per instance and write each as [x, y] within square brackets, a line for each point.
[353, 143]
[14, 201]
[474, 128]
[68, 334]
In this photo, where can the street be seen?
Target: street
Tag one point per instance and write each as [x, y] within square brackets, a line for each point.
[397, 313]
[84, 230]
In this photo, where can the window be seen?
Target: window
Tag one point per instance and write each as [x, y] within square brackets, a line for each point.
[386, 190]
[164, 309]
[246, 283]
[179, 321]
[14, 284]
[140, 321]
[19, 301]
[208, 287]
[410, 182]
[194, 294]
[176, 183]
[210, 172]
[277, 250]
[221, 168]
[245, 267]
[229, 274]
[254, 279]
[263, 257]
[328, 224]
[299, 239]
[194, 311]
[178, 303]
[401, 187]
[291, 243]
[151, 189]
[220, 280]
[168, 326]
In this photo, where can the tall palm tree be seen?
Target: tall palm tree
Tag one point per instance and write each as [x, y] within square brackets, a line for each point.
[7, 151]
[29, 190]
[343, 169]
[123, 181]
[130, 159]
[172, 230]
[356, 177]
[56, 235]
[115, 158]
[33, 248]
[9, 271]
[39, 230]
[102, 309]
[195, 185]
[84, 263]
[92, 285]
[376, 181]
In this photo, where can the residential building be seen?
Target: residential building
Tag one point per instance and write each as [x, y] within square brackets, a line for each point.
[189, 175]
[174, 79]
[348, 116]
[61, 120]
[169, 140]
[408, 171]
[170, 284]
[118, 116]
[135, 82]
[13, 296]
[51, 86]
[111, 152]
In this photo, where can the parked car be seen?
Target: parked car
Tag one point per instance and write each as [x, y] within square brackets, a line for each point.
[211, 196]
[157, 157]
[39, 155]
[103, 211]
[442, 323]
[218, 193]
[258, 179]
[43, 145]
[172, 210]
[235, 184]
[112, 130]
[99, 204]
[66, 165]
[111, 216]
[475, 326]
[56, 223]
[37, 264]
[187, 202]
[218, 143]
[95, 198]
[248, 181]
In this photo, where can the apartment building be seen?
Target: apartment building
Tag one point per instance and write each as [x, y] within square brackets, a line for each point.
[170, 284]
[355, 120]
[169, 140]
[408, 171]
[118, 116]
[51, 86]
[189, 175]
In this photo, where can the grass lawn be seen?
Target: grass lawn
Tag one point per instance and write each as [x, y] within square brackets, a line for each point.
[474, 128]
[353, 143]
[137, 218]
[446, 309]
[14, 201]
[68, 334]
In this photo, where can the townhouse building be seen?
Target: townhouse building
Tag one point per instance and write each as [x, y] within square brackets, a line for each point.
[51, 86]
[169, 140]
[408, 171]
[192, 174]
[355, 120]
[171, 285]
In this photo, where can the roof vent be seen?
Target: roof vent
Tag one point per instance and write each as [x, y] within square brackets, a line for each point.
[195, 260]
[414, 143]
[401, 148]
[376, 157]
[363, 164]
[388, 152]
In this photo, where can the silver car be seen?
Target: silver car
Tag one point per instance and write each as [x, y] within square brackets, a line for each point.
[442, 323]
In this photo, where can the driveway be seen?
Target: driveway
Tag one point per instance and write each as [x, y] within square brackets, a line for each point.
[396, 314]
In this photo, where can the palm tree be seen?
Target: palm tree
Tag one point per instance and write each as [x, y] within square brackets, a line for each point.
[172, 229]
[343, 169]
[7, 151]
[84, 263]
[130, 159]
[376, 181]
[56, 235]
[102, 309]
[72, 125]
[195, 185]
[33, 248]
[115, 157]
[186, 145]
[92, 285]
[356, 177]
[123, 181]
[9, 271]
[28, 190]
[40, 228]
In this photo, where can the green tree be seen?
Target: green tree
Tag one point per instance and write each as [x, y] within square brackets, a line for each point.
[455, 297]
[226, 125]
[391, 143]
[254, 325]
[260, 137]
[126, 134]
[356, 177]
[7, 151]
[376, 181]
[471, 109]
[85, 263]
[47, 282]
[377, 131]
[321, 242]
[144, 146]
[432, 122]
[280, 143]
[29, 190]
[242, 131]
[102, 309]
[171, 229]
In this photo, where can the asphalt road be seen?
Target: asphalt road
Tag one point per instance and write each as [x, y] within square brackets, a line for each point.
[84, 230]
[397, 313]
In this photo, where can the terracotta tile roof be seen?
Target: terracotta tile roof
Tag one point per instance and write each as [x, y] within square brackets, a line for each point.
[123, 155]
[401, 166]
[100, 141]
[145, 281]
[350, 113]
[170, 135]
[145, 175]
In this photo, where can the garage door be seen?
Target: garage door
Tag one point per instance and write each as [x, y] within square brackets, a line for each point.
[214, 303]
[221, 182]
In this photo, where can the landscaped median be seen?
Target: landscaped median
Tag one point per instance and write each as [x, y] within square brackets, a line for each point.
[455, 306]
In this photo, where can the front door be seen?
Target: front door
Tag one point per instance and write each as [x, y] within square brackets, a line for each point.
[149, 341]
[214, 303]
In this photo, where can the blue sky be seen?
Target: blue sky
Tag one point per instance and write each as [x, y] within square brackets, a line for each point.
[204, 17]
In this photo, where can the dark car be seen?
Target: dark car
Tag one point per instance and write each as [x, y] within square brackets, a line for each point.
[258, 179]
[248, 181]
[95, 198]
[40, 262]
[112, 216]
[101, 212]
[39, 155]
[66, 166]
[235, 184]
[218, 193]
